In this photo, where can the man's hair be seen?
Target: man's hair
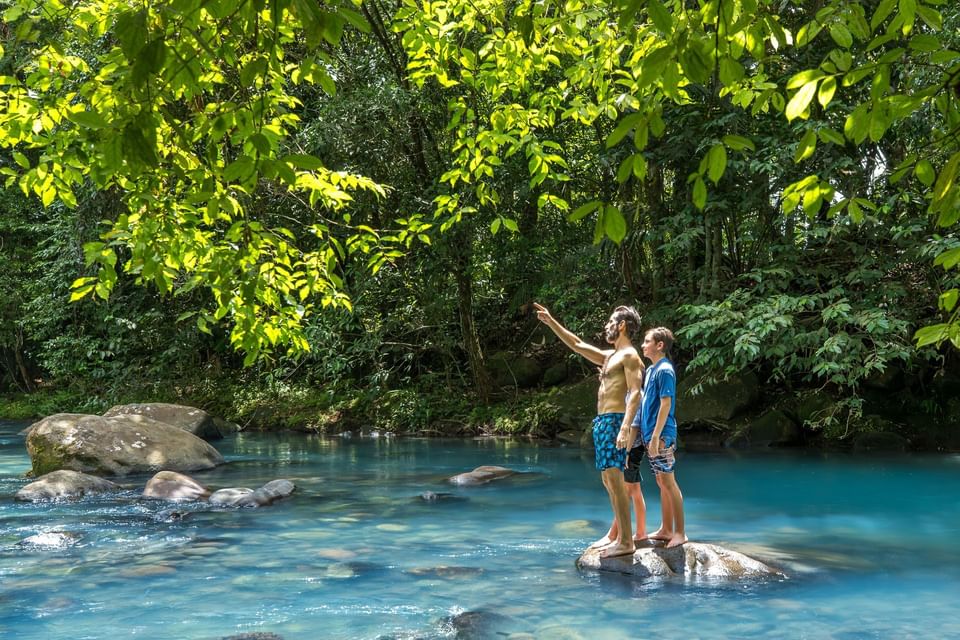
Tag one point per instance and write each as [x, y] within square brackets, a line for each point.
[628, 315]
[664, 335]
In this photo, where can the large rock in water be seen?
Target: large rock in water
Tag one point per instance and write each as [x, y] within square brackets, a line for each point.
[190, 419]
[64, 485]
[690, 560]
[118, 445]
[716, 402]
[244, 497]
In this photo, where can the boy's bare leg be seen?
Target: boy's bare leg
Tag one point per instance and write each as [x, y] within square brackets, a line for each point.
[665, 532]
[640, 508]
[672, 489]
[613, 480]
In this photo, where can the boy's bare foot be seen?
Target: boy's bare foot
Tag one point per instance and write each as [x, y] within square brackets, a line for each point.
[617, 550]
[605, 541]
[676, 540]
[660, 534]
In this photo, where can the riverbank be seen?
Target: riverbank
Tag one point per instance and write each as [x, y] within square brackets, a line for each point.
[738, 413]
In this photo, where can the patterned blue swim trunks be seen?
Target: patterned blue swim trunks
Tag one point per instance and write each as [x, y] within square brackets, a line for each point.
[606, 426]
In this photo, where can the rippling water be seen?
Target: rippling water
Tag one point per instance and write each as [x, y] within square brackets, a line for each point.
[869, 543]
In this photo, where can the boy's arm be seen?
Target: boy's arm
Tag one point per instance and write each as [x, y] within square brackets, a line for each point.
[588, 351]
[654, 447]
[633, 370]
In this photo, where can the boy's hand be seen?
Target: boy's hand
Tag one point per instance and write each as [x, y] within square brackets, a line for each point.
[653, 449]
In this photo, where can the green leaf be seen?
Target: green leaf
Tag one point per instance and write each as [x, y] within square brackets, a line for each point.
[88, 119]
[925, 173]
[304, 161]
[948, 259]
[884, 9]
[699, 193]
[808, 144]
[857, 123]
[829, 135]
[661, 18]
[716, 162]
[731, 71]
[584, 210]
[354, 18]
[21, 160]
[241, 168]
[934, 334]
[495, 225]
[614, 224]
[841, 35]
[510, 224]
[908, 11]
[948, 300]
[945, 178]
[626, 168]
[623, 128]
[827, 88]
[801, 100]
[738, 143]
[925, 42]
[804, 77]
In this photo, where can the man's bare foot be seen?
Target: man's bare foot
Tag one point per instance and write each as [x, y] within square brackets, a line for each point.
[676, 540]
[617, 550]
[605, 541]
[660, 534]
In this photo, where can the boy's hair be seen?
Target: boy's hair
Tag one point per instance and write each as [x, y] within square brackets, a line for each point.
[664, 335]
[630, 316]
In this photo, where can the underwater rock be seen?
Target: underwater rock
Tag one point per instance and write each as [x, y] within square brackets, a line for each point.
[119, 445]
[691, 560]
[257, 635]
[444, 571]
[175, 487]
[50, 540]
[481, 475]
[262, 497]
[477, 625]
[432, 497]
[64, 484]
[190, 419]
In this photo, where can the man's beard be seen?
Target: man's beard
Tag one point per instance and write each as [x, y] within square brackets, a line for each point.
[612, 335]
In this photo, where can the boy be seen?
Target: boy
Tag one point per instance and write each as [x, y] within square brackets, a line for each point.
[658, 431]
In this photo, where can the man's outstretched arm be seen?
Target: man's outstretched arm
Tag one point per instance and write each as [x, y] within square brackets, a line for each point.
[588, 351]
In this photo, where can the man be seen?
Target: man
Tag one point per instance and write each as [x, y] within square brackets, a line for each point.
[617, 402]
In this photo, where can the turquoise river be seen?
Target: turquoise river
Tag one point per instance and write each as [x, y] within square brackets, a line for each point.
[870, 546]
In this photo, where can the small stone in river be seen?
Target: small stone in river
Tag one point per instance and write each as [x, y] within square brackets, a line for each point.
[149, 570]
[574, 527]
[394, 528]
[335, 554]
[339, 571]
[445, 572]
[50, 540]
[257, 635]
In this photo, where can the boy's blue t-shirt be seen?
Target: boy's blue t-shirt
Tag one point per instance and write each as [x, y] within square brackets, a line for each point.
[660, 382]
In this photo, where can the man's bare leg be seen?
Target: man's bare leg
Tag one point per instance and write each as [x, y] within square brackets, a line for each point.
[613, 532]
[672, 489]
[613, 480]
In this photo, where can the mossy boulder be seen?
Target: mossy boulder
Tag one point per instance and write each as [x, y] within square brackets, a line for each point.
[557, 374]
[773, 429]
[118, 445]
[717, 401]
[190, 419]
[510, 370]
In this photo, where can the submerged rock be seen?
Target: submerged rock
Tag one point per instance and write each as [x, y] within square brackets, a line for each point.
[118, 445]
[481, 475]
[692, 560]
[64, 484]
[176, 487]
[432, 497]
[257, 635]
[190, 419]
[244, 497]
[50, 540]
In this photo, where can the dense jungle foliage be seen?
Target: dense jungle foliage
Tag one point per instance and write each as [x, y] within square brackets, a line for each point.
[310, 214]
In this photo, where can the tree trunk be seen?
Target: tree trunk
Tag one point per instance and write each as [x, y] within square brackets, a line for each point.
[468, 329]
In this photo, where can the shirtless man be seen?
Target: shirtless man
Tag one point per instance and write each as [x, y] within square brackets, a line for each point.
[617, 403]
